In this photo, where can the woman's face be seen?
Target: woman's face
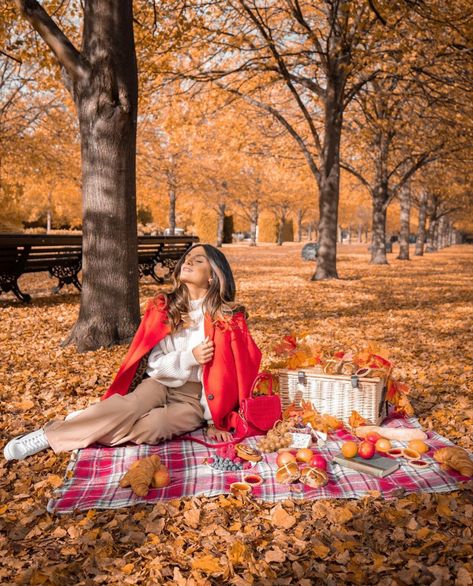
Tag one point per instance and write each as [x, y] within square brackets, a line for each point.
[195, 269]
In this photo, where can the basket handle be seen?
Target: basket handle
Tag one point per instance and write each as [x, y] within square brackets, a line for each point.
[382, 401]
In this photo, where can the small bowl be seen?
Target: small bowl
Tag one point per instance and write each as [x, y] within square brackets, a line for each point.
[240, 488]
[253, 479]
[410, 454]
[419, 464]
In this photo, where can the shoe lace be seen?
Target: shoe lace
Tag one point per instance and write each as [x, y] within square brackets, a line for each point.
[34, 441]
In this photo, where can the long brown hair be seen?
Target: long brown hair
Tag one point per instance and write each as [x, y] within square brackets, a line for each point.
[219, 301]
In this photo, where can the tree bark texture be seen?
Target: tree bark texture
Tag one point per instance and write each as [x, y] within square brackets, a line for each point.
[220, 223]
[329, 183]
[254, 216]
[172, 201]
[106, 100]
[420, 240]
[405, 221]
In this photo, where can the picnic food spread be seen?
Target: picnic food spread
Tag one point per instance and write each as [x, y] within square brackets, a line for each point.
[291, 444]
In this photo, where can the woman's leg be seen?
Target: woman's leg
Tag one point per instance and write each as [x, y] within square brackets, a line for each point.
[182, 414]
[107, 421]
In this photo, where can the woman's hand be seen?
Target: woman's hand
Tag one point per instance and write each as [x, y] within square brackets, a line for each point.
[218, 434]
[204, 352]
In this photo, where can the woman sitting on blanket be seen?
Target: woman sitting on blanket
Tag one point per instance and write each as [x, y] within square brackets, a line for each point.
[200, 360]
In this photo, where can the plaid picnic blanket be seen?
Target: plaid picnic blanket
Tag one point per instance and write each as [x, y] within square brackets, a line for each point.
[92, 477]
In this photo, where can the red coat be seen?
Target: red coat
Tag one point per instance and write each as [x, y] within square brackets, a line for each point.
[226, 379]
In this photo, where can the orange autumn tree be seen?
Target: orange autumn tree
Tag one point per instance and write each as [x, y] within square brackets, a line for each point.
[300, 64]
[101, 78]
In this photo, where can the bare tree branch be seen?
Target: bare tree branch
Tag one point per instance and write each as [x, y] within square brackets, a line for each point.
[66, 54]
[282, 120]
[356, 174]
[11, 57]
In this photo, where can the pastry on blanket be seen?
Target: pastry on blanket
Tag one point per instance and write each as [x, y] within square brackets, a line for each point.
[141, 474]
[401, 434]
[456, 458]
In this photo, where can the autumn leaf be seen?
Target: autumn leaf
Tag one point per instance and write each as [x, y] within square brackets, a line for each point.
[274, 555]
[237, 553]
[207, 564]
[281, 519]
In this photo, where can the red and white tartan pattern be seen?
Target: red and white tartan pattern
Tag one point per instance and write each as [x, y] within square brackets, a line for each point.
[91, 480]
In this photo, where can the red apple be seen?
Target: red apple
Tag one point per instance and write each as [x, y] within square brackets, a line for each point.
[284, 458]
[366, 450]
[318, 461]
[372, 437]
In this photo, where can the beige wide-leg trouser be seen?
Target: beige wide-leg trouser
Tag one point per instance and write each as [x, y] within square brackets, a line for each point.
[150, 414]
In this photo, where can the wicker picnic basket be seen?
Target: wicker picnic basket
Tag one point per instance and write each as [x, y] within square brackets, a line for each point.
[335, 394]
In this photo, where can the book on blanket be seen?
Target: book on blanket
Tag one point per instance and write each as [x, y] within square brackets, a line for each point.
[376, 466]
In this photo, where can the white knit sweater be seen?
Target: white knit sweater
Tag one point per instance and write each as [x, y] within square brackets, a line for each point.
[171, 361]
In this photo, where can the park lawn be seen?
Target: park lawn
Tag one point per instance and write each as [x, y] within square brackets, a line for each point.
[420, 311]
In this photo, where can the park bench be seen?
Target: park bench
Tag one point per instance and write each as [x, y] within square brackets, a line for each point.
[161, 250]
[61, 257]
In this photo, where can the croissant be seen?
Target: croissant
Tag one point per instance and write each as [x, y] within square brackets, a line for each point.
[140, 475]
[456, 458]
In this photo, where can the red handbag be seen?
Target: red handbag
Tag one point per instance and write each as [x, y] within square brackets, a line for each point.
[258, 414]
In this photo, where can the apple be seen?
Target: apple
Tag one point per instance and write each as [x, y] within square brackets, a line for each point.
[284, 458]
[366, 450]
[372, 437]
[318, 461]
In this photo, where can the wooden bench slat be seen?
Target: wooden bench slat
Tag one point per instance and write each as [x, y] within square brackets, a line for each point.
[61, 256]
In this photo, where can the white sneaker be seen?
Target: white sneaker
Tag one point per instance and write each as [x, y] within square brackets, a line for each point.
[26, 445]
[73, 414]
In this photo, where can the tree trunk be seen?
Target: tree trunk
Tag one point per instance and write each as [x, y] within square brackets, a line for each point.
[281, 222]
[441, 233]
[378, 238]
[420, 240]
[220, 224]
[106, 102]
[405, 221]
[254, 215]
[360, 233]
[329, 183]
[339, 234]
[49, 213]
[309, 232]
[432, 239]
[300, 215]
[172, 205]
[380, 196]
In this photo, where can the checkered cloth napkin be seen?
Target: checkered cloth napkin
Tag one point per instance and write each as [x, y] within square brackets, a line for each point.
[91, 480]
